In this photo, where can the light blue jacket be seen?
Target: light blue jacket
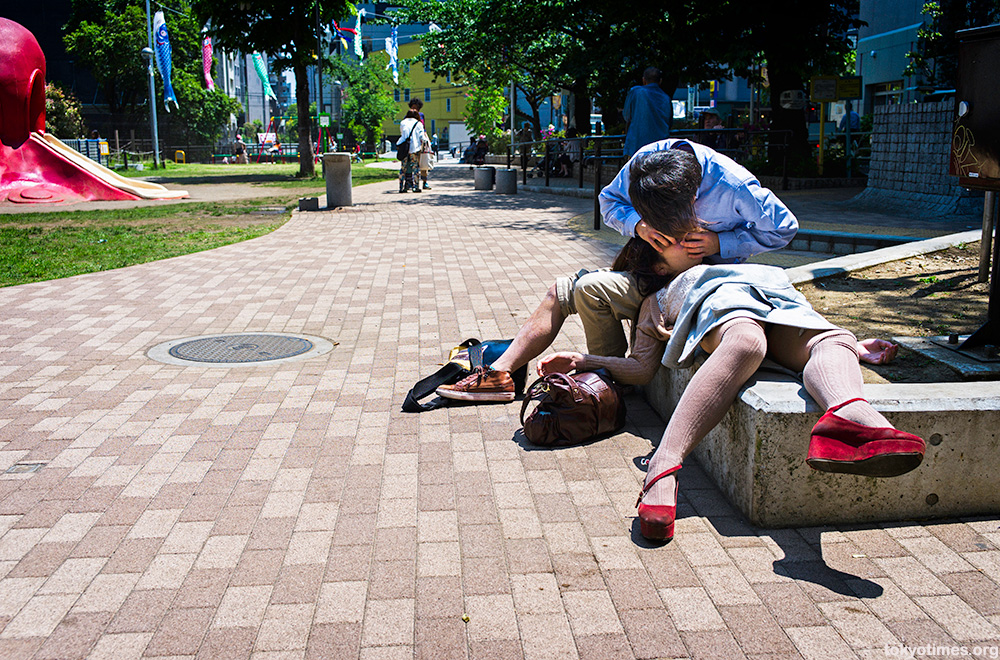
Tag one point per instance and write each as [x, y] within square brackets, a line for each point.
[748, 218]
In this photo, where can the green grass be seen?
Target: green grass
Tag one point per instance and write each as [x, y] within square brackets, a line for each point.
[47, 246]
[53, 244]
[282, 175]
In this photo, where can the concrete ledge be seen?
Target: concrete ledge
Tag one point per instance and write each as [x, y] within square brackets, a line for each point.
[756, 455]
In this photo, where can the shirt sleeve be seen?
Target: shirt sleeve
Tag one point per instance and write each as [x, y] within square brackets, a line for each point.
[765, 223]
[616, 205]
[642, 362]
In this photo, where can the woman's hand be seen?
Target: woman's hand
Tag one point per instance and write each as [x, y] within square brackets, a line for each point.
[658, 240]
[877, 351]
[559, 363]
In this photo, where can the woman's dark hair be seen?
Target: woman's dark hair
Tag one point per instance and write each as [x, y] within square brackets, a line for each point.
[662, 185]
[640, 259]
[412, 114]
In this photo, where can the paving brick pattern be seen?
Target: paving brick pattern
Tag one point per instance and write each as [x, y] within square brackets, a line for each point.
[292, 511]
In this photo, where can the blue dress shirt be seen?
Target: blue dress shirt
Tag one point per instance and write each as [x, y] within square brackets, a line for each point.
[748, 218]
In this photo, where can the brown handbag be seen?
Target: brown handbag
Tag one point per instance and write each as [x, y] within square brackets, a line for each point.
[572, 409]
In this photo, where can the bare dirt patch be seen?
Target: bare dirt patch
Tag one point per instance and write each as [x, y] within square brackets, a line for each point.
[928, 295]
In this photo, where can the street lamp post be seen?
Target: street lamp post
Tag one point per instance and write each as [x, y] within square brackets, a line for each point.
[147, 54]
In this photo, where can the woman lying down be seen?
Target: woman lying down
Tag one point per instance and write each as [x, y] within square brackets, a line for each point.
[740, 314]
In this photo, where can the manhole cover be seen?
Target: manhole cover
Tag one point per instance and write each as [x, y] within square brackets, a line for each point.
[239, 349]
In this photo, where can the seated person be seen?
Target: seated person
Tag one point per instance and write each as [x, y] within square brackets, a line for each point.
[739, 314]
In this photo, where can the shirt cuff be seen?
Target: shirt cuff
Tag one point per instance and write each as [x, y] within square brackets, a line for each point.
[728, 245]
[629, 223]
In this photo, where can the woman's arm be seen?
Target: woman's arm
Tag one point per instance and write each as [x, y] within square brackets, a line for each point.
[636, 369]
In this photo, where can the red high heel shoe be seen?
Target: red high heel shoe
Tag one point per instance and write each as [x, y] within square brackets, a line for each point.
[840, 445]
[656, 521]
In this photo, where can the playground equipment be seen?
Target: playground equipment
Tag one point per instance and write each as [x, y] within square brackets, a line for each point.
[36, 167]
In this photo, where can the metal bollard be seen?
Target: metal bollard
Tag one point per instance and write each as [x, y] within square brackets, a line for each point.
[484, 177]
[507, 182]
[337, 168]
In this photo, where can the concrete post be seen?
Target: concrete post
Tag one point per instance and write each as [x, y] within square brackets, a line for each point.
[483, 178]
[338, 179]
[507, 182]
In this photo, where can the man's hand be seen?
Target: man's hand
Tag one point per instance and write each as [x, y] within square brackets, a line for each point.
[702, 243]
[658, 240]
[559, 363]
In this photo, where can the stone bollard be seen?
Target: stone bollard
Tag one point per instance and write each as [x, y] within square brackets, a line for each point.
[507, 182]
[338, 179]
[484, 177]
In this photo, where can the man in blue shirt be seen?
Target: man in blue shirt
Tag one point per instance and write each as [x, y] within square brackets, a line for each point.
[738, 218]
[648, 112]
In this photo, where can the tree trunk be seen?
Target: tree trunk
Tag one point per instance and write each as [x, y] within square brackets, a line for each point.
[794, 120]
[581, 107]
[306, 166]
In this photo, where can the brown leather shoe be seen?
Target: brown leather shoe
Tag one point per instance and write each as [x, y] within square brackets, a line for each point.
[484, 384]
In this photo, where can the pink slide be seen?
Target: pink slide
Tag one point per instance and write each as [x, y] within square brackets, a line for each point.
[36, 167]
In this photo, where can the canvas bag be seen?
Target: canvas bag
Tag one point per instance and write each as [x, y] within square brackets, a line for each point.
[465, 357]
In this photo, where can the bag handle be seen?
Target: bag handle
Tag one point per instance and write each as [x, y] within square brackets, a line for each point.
[534, 390]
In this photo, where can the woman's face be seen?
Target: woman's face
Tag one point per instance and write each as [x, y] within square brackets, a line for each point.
[675, 259]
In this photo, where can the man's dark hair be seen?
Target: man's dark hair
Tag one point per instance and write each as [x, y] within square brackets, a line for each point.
[652, 75]
[662, 185]
[416, 104]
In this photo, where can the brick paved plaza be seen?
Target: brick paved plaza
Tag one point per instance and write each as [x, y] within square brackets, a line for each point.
[293, 511]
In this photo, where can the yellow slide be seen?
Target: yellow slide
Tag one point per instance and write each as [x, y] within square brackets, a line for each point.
[137, 187]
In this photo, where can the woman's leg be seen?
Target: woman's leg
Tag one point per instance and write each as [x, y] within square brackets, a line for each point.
[828, 360]
[736, 348]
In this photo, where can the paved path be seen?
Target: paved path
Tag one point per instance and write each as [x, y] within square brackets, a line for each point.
[291, 510]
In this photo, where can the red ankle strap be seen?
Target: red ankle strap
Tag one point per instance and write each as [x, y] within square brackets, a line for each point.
[666, 473]
[841, 405]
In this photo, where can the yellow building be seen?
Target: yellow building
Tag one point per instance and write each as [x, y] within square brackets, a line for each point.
[443, 97]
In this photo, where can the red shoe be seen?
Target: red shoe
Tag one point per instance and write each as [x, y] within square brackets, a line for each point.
[840, 445]
[656, 521]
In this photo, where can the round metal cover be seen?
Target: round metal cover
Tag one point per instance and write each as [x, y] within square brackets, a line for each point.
[239, 349]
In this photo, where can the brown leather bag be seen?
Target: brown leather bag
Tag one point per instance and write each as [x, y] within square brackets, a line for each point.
[572, 409]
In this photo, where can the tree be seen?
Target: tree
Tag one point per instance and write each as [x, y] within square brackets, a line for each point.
[935, 59]
[106, 38]
[62, 113]
[286, 30]
[484, 109]
[366, 105]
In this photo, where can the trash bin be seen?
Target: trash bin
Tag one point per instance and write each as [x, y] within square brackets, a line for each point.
[338, 179]
[484, 177]
[507, 182]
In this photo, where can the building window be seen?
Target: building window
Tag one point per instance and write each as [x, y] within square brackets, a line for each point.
[448, 76]
[406, 67]
[427, 67]
[395, 95]
[434, 126]
[427, 93]
[406, 94]
[447, 105]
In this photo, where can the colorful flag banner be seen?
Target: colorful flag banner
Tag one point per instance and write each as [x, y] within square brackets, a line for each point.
[161, 46]
[357, 37]
[391, 48]
[261, 68]
[206, 62]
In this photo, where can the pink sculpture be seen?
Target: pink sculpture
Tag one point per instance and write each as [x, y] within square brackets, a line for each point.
[36, 167]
